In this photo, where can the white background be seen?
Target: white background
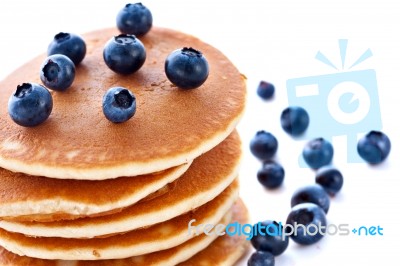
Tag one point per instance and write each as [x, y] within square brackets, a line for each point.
[274, 41]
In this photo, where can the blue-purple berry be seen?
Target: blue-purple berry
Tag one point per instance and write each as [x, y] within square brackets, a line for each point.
[313, 194]
[119, 104]
[374, 147]
[295, 120]
[68, 44]
[261, 258]
[310, 221]
[271, 175]
[57, 72]
[124, 54]
[267, 237]
[187, 68]
[265, 90]
[263, 145]
[329, 179]
[135, 19]
[317, 153]
[30, 105]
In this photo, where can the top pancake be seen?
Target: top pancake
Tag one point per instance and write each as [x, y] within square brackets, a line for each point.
[171, 126]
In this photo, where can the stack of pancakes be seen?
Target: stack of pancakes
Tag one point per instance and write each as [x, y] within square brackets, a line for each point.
[80, 190]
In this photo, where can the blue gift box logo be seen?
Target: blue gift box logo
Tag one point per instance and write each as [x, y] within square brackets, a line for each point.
[344, 103]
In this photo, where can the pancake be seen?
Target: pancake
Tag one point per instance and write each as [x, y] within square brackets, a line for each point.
[171, 126]
[25, 197]
[207, 177]
[224, 250]
[110, 225]
[137, 242]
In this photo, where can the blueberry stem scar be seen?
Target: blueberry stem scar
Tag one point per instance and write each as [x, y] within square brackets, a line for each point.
[62, 36]
[123, 99]
[51, 70]
[191, 52]
[22, 90]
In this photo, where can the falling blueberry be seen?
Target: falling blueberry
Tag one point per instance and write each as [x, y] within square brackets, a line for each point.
[263, 145]
[271, 174]
[267, 237]
[374, 147]
[294, 120]
[313, 194]
[318, 152]
[265, 90]
[313, 219]
[330, 179]
[261, 258]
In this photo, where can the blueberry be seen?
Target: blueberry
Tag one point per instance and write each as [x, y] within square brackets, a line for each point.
[68, 44]
[261, 258]
[330, 179]
[295, 120]
[268, 237]
[134, 19]
[313, 194]
[271, 174]
[310, 221]
[30, 105]
[318, 152]
[57, 72]
[263, 145]
[124, 54]
[119, 104]
[374, 147]
[186, 68]
[265, 90]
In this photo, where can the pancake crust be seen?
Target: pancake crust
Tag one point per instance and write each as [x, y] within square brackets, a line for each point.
[225, 251]
[171, 126]
[208, 176]
[25, 197]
